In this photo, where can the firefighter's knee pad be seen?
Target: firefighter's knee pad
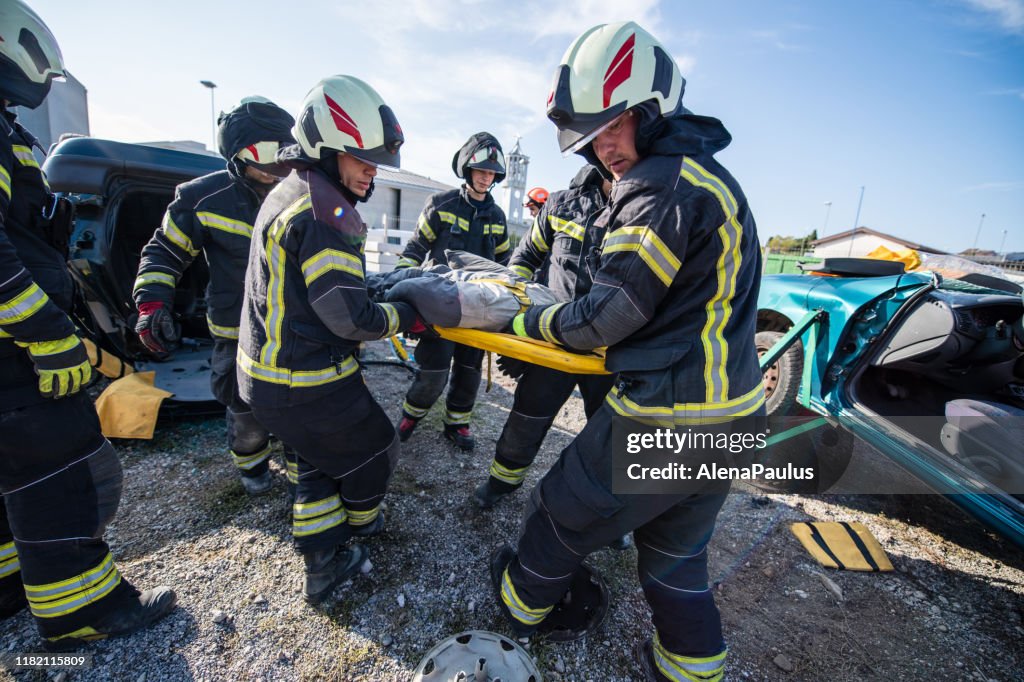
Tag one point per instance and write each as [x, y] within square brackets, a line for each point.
[245, 434]
[78, 501]
[521, 437]
[427, 387]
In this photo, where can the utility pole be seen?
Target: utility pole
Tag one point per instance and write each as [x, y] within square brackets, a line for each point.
[977, 234]
[213, 116]
[856, 220]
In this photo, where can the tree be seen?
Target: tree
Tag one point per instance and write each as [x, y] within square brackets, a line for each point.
[801, 244]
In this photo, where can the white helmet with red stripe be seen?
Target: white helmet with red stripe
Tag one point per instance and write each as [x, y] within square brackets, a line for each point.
[344, 114]
[607, 70]
[29, 56]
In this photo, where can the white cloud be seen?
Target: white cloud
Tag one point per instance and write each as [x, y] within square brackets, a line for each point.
[1008, 13]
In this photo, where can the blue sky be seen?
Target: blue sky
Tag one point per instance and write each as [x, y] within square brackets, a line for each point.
[922, 103]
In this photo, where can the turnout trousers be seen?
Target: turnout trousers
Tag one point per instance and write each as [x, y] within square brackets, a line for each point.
[346, 450]
[539, 396]
[61, 485]
[436, 359]
[248, 440]
[572, 512]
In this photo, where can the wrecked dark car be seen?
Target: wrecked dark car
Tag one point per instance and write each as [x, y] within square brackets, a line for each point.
[120, 192]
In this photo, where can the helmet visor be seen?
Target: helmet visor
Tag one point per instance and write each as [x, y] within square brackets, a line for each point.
[487, 158]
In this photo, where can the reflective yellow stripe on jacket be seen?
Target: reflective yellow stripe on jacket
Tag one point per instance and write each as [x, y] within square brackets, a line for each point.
[5, 181]
[303, 378]
[719, 307]
[682, 414]
[331, 259]
[574, 230]
[177, 237]
[649, 246]
[154, 277]
[23, 306]
[67, 596]
[24, 156]
[277, 260]
[224, 224]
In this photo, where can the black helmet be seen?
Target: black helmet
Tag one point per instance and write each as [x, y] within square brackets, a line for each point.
[252, 133]
[481, 151]
[29, 56]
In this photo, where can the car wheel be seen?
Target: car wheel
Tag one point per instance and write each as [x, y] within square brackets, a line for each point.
[781, 380]
[825, 449]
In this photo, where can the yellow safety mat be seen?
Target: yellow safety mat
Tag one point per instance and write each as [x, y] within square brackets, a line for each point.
[106, 364]
[128, 407]
[536, 352]
[838, 544]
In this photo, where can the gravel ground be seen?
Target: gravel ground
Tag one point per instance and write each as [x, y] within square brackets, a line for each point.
[953, 609]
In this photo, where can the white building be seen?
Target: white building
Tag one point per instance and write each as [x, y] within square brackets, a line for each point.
[861, 241]
[65, 110]
[391, 214]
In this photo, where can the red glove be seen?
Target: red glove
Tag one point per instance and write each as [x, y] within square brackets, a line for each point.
[156, 328]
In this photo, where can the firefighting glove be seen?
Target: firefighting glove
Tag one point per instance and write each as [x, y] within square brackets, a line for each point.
[63, 366]
[421, 330]
[511, 367]
[156, 328]
[518, 326]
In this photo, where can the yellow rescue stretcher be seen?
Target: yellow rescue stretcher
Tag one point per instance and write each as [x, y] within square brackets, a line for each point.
[530, 350]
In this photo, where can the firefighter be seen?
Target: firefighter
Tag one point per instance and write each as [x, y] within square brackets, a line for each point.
[214, 214]
[563, 235]
[60, 478]
[535, 200]
[464, 219]
[305, 312]
[674, 299]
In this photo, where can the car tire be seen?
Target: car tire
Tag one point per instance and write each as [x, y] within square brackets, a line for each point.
[781, 380]
[827, 449]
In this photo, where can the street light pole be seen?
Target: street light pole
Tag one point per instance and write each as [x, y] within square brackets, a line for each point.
[856, 220]
[977, 234]
[1001, 245]
[828, 209]
[213, 117]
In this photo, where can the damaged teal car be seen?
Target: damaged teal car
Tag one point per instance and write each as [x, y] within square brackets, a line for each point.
[927, 370]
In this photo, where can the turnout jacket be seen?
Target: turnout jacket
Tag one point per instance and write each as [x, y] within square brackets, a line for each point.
[306, 307]
[213, 214]
[675, 296]
[35, 287]
[450, 221]
[566, 231]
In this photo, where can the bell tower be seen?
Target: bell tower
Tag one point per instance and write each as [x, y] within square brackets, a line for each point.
[515, 185]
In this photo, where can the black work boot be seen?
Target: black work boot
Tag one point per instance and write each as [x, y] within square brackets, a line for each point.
[644, 653]
[12, 598]
[500, 559]
[326, 569]
[490, 492]
[259, 484]
[460, 435]
[406, 425]
[146, 609]
[368, 530]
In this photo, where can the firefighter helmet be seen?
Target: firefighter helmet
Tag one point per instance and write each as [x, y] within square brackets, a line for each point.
[253, 131]
[483, 152]
[344, 114]
[29, 56]
[607, 70]
[536, 197]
